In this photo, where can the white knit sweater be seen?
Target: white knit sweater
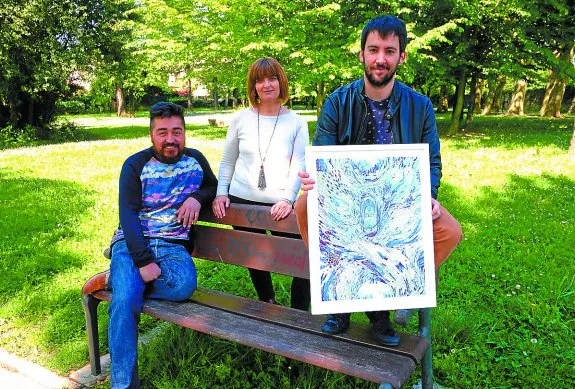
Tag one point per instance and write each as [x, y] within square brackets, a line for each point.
[240, 165]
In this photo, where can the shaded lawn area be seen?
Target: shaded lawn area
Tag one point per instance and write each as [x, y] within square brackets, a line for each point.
[143, 114]
[512, 132]
[108, 132]
[505, 301]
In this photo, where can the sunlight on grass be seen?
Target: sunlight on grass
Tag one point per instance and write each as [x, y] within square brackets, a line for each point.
[505, 299]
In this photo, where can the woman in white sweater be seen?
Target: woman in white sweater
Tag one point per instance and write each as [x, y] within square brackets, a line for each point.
[264, 150]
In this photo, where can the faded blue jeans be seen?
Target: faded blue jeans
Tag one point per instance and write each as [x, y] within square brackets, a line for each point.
[176, 283]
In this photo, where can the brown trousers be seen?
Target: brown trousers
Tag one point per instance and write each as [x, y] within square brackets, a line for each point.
[446, 230]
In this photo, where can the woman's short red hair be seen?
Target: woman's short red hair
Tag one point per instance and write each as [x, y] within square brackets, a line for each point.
[262, 68]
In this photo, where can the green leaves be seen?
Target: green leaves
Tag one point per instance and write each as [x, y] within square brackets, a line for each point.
[43, 43]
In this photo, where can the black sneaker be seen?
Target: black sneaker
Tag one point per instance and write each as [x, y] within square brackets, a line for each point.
[336, 323]
[384, 333]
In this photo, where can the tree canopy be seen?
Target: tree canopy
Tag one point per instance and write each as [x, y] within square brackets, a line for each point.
[128, 46]
[42, 43]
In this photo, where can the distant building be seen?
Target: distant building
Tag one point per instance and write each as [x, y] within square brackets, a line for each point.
[177, 81]
[79, 80]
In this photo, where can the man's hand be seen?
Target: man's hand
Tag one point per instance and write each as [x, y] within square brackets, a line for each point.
[280, 210]
[306, 182]
[219, 205]
[189, 212]
[435, 211]
[150, 272]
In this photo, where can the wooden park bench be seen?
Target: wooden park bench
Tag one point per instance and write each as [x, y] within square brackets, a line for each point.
[276, 329]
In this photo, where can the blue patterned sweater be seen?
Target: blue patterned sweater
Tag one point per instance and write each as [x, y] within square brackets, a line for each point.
[150, 194]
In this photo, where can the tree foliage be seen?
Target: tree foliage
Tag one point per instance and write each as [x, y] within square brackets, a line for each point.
[128, 46]
[42, 43]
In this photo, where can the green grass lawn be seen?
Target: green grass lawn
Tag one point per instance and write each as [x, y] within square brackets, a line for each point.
[505, 315]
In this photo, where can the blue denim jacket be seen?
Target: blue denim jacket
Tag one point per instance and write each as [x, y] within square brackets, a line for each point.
[343, 121]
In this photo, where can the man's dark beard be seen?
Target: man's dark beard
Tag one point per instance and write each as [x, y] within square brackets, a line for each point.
[175, 159]
[168, 160]
[383, 82]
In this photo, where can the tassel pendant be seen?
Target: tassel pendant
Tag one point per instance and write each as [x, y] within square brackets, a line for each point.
[262, 178]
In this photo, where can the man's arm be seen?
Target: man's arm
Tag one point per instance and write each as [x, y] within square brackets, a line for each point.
[189, 211]
[297, 162]
[430, 136]
[325, 135]
[326, 126]
[207, 190]
[130, 204]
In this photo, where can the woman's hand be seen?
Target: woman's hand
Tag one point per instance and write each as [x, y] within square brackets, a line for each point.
[280, 210]
[219, 205]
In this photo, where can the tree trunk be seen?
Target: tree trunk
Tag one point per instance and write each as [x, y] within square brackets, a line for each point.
[30, 111]
[454, 125]
[190, 95]
[320, 96]
[23, 110]
[234, 98]
[572, 107]
[547, 96]
[227, 99]
[498, 97]
[43, 111]
[555, 90]
[16, 108]
[13, 111]
[478, 95]
[215, 95]
[472, 96]
[518, 100]
[120, 106]
[131, 102]
[427, 91]
[443, 99]
[491, 84]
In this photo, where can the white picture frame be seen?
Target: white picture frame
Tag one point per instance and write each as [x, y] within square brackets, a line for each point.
[371, 207]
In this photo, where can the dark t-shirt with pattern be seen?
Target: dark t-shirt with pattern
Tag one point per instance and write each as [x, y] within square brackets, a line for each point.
[378, 129]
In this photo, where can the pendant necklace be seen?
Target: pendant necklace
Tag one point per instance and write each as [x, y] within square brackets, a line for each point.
[262, 176]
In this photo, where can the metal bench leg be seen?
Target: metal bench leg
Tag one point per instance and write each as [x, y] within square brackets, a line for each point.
[402, 316]
[426, 365]
[90, 304]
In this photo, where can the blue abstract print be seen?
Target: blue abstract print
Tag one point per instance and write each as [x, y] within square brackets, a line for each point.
[370, 228]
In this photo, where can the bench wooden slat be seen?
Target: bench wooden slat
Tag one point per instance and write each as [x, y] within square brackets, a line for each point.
[367, 363]
[276, 329]
[412, 346]
[254, 216]
[258, 251]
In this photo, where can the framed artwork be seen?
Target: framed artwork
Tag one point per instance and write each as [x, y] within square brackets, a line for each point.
[370, 228]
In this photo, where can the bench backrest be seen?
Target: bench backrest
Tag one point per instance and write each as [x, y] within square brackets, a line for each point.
[215, 241]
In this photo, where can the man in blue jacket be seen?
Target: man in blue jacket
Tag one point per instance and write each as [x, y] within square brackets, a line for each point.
[162, 190]
[378, 109]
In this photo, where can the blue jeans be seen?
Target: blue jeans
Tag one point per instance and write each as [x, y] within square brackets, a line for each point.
[176, 283]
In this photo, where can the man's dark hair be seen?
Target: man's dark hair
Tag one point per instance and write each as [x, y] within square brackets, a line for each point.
[386, 25]
[164, 109]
